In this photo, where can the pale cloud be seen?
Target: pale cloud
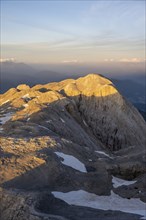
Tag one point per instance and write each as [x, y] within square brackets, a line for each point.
[126, 60]
[69, 61]
[132, 60]
[2, 60]
[109, 60]
[74, 51]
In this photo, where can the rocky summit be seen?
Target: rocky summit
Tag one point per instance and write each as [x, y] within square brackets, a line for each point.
[71, 150]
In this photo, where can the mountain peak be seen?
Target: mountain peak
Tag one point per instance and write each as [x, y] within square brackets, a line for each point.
[91, 84]
[97, 77]
[92, 98]
[93, 80]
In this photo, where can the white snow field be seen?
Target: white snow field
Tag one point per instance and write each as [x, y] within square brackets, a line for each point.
[6, 117]
[62, 120]
[113, 202]
[103, 153]
[120, 182]
[71, 161]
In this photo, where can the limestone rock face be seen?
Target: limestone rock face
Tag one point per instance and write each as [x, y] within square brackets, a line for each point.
[114, 121]
[69, 136]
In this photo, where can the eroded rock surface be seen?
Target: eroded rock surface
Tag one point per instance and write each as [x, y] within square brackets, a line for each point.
[48, 132]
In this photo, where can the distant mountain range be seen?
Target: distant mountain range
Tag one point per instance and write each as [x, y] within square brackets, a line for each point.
[13, 74]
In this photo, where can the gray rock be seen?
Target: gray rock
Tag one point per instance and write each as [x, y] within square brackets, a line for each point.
[87, 119]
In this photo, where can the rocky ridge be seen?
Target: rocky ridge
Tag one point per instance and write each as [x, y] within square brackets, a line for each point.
[69, 136]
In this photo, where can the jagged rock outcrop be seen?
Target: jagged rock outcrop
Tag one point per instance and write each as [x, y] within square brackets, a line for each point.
[69, 136]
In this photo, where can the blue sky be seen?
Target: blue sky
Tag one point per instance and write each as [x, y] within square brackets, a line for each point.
[73, 31]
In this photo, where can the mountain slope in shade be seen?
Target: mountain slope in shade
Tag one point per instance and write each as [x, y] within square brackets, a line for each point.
[74, 137]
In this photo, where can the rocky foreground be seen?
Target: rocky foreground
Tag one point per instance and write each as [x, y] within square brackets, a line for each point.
[71, 150]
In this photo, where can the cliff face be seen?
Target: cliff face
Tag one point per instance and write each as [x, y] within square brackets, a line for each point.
[74, 136]
[112, 120]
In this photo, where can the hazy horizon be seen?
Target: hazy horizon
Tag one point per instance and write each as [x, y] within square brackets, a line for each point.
[45, 41]
[121, 70]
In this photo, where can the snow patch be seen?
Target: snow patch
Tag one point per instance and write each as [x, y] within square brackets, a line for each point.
[62, 120]
[85, 123]
[120, 182]
[6, 118]
[66, 141]
[103, 153]
[113, 202]
[71, 161]
[5, 102]
[41, 126]
[25, 105]
[49, 121]
[45, 128]
[26, 96]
